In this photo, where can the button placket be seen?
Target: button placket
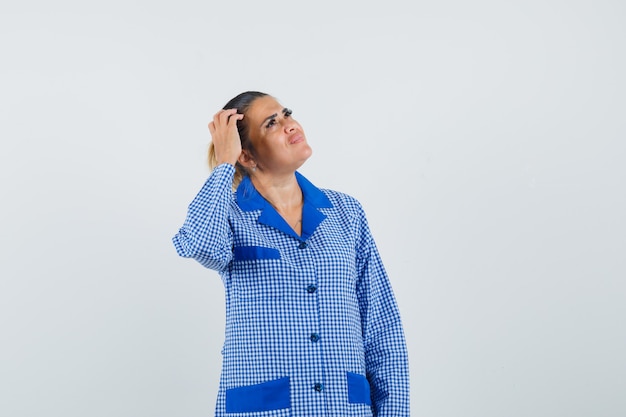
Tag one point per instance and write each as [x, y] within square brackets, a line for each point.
[311, 289]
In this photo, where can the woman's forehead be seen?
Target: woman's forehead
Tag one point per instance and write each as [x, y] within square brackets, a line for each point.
[263, 107]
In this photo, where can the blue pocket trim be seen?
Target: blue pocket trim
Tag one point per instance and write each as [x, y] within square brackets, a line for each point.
[358, 389]
[246, 253]
[267, 396]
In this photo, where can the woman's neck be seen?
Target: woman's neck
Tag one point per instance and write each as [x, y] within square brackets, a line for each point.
[283, 193]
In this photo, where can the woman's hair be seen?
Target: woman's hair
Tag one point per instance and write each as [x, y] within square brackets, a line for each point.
[242, 103]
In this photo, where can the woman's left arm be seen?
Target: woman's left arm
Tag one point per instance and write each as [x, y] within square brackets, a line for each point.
[386, 357]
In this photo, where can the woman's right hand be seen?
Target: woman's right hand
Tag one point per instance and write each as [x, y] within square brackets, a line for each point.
[225, 136]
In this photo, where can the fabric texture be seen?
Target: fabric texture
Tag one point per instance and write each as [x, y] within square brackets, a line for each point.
[312, 325]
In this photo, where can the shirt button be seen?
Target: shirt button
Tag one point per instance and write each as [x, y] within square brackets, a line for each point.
[318, 387]
[315, 337]
[302, 245]
[311, 289]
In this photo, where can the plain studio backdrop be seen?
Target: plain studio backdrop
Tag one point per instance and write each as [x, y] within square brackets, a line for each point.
[485, 140]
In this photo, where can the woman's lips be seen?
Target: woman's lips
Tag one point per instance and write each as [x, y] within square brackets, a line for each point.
[296, 139]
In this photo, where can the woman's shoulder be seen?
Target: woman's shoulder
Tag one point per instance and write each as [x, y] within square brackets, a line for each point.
[343, 201]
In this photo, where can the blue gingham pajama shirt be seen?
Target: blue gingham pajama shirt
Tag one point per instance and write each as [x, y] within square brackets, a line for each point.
[312, 326]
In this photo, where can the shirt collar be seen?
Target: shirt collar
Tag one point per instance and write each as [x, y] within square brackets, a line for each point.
[249, 199]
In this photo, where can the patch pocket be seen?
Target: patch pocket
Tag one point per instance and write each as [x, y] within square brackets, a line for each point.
[358, 389]
[247, 253]
[267, 396]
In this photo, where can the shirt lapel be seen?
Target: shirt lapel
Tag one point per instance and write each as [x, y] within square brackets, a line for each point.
[249, 199]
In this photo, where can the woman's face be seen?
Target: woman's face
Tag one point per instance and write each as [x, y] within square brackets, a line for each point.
[278, 140]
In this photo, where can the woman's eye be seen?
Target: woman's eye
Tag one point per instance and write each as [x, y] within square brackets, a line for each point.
[271, 123]
[288, 112]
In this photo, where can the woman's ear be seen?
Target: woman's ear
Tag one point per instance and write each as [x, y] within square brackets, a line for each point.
[246, 159]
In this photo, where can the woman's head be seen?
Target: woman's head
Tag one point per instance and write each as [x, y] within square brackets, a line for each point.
[272, 142]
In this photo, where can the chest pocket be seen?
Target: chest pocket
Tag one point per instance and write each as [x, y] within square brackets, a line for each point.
[261, 272]
[250, 253]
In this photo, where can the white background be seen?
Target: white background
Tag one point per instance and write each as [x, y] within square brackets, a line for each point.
[485, 140]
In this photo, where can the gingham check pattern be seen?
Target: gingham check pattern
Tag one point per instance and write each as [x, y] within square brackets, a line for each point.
[324, 308]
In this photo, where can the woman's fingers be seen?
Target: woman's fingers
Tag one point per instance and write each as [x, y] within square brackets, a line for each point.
[221, 118]
[224, 120]
[225, 136]
[232, 120]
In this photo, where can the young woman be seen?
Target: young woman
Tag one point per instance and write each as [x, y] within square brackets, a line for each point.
[312, 325]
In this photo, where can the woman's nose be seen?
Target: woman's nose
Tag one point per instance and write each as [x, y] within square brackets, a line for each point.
[289, 125]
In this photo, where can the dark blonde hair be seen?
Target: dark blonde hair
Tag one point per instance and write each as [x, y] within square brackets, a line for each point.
[242, 103]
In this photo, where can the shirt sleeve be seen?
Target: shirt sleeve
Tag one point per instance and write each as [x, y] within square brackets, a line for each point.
[206, 235]
[386, 358]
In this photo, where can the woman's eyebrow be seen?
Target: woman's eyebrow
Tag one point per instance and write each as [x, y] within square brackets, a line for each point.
[273, 116]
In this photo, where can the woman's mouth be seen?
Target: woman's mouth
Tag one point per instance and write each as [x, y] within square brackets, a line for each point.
[296, 139]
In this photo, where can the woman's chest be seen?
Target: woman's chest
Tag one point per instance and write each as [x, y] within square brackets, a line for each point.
[270, 263]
